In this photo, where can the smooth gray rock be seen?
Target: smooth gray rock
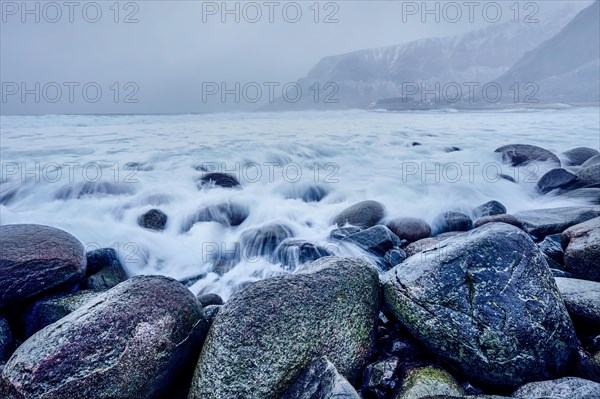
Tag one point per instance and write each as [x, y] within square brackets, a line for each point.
[306, 192]
[486, 303]
[265, 335]
[582, 299]
[35, 259]
[6, 340]
[409, 229]
[595, 160]
[551, 247]
[427, 243]
[51, 309]
[589, 177]
[490, 208]
[422, 382]
[451, 221]
[567, 387]
[343, 232]
[544, 222]
[582, 250]
[394, 257]
[557, 179]
[363, 214]
[132, 341]
[578, 156]
[523, 154]
[320, 380]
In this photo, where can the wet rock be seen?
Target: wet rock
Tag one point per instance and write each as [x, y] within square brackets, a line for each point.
[263, 240]
[557, 179]
[292, 253]
[217, 179]
[189, 281]
[409, 229]
[595, 160]
[267, 333]
[544, 222]
[578, 156]
[589, 177]
[508, 219]
[380, 378]
[306, 192]
[6, 341]
[394, 257]
[451, 149]
[427, 243]
[558, 272]
[130, 342]
[582, 299]
[523, 154]
[93, 189]
[567, 387]
[35, 259]
[320, 380]
[451, 221]
[490, 208]
[487, 304]
[376, 240]
[52, 308]
[428, 381]
[582, 250]
[589, 366]
[343, 232]
[551, 247]
[210, 312]
[154, 219]
[228, 214]
[210, 299]
[104, 270]
[583, 195]
[362, 214]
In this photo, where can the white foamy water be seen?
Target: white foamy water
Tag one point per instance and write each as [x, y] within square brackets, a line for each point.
[356, 155]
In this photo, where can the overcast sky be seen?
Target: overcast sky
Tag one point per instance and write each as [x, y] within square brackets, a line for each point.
[165, 52]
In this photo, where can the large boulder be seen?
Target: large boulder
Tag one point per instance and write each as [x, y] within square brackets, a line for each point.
[35, 259]
[595, 160]
[582, 299]
[320, 380]
[523, 154]
[51, 309]
[130, 342]
[266, 334]
[422, 382]
[582, 249]
[6, 340]
[154, 219]
[486, 303]
[578, 156]
[409, 229]
[567, 387]
[557, 179]
[544, 222]
[451, 221]
[104, 270]
[506, 218]
[427, 243]
[363, 214]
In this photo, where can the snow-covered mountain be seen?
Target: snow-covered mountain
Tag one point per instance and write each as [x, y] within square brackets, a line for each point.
[566, 67]
[480, 56]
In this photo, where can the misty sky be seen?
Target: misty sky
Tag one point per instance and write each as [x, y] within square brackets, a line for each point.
[163, 59]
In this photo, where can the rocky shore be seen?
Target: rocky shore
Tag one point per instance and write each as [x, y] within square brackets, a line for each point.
[485, 304]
